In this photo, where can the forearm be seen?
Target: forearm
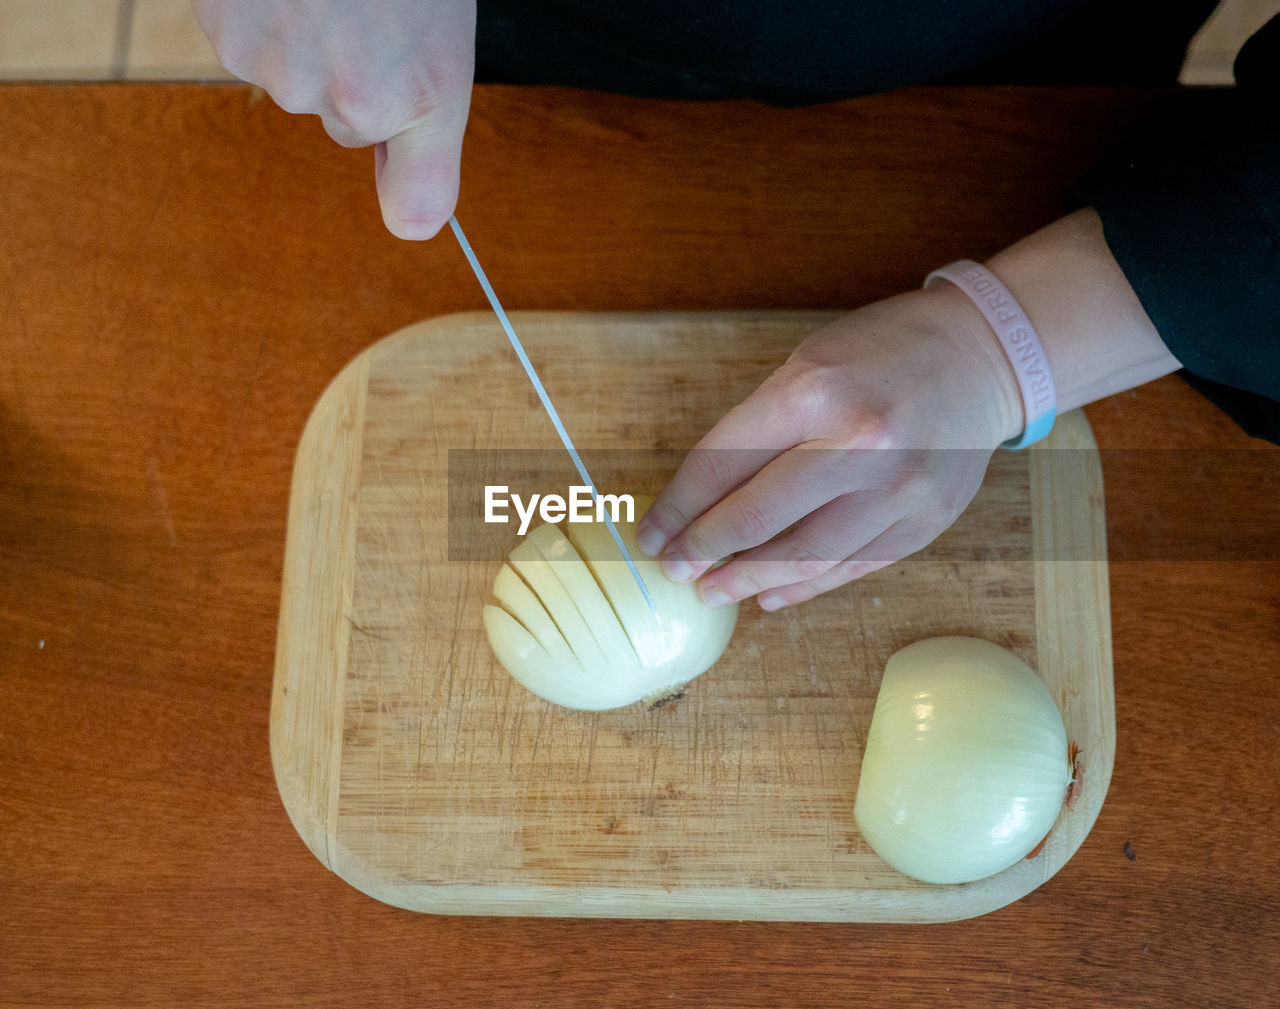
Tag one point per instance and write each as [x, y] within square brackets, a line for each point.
[1096, 335]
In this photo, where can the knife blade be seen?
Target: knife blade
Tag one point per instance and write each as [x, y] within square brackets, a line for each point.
[547, 405]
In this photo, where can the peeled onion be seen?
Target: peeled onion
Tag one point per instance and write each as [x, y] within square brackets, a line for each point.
[569, 622]
[966, 763]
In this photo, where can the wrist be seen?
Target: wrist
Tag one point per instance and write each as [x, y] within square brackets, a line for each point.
[1096, 334]
[976, 372]
[1016, 334]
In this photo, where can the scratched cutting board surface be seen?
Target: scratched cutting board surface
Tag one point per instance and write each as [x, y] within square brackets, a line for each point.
[416, 769]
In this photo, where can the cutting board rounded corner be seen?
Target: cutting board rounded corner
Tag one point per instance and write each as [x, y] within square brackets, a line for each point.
[313, 669]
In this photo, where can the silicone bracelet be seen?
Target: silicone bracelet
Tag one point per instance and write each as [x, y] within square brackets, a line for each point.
[1018, 338]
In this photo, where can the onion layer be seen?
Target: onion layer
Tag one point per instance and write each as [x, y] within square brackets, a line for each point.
[966, 764]
[570, 623]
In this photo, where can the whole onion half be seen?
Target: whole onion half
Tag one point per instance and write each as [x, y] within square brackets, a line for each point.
[966, 764]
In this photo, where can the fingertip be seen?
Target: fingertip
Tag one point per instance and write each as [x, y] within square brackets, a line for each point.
[771, 601]
[649, 538]
[657, 528]
[677, 569]
[416, 214]
[417, 189]
[714, 595]
[411, 226]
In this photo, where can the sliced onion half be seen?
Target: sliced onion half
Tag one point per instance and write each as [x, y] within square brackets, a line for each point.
[569, 622]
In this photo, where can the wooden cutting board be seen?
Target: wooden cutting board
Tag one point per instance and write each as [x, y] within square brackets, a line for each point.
[416, 769]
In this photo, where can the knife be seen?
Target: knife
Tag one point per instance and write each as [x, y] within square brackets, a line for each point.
[540, 389]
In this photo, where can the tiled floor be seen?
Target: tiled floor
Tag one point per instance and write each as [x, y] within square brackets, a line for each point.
[159, 40]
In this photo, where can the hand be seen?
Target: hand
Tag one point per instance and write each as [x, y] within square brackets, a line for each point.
[846, 459]
[392, 73]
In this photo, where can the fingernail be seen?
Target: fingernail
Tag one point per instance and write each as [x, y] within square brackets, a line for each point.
[713, 595]
[771, 601]
[677, 568]
[414, 229]
[649, 538]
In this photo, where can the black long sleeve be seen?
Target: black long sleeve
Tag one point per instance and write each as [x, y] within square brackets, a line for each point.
[1191, 210]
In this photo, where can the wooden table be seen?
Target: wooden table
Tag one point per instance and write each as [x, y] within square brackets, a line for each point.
[184, 268]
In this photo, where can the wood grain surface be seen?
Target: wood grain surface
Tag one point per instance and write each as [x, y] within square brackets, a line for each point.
[420, 772]
[184, 270]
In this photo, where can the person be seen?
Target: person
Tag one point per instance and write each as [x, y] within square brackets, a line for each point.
[1175, 238]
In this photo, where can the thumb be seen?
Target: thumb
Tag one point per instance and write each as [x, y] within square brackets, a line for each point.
[417, 173]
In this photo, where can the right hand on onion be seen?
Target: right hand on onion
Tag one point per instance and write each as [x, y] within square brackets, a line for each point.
[845, 459]
[392, 73]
